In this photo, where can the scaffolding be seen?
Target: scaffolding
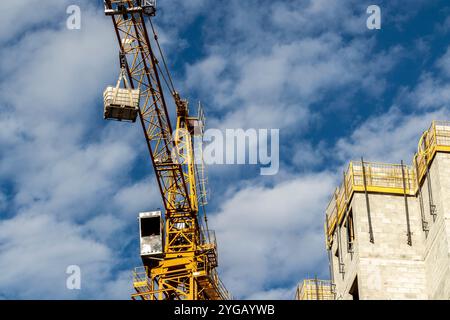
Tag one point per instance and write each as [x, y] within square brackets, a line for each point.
[371, 177]
[141, 283]
[314, 289]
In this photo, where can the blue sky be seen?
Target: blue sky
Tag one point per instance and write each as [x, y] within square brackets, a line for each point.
[71, 184]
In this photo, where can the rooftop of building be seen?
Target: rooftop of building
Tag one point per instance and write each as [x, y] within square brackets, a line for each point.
[372, 177]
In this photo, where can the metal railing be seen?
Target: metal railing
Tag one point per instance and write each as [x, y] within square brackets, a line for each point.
[207, 270]
[314, 289]
[224, 293]
[380, 177]
[141, 283]
[436, 138]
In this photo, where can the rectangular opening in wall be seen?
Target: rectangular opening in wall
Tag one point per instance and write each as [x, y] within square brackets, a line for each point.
[150, 226]
[354, 291]
[350, 231]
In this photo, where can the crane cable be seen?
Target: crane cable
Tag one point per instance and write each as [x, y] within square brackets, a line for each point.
[171, 87]
[169, 83]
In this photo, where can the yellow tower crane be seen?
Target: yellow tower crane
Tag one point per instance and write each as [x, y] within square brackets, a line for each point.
[179, 252]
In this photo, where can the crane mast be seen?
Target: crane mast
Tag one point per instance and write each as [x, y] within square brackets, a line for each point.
[186, 269]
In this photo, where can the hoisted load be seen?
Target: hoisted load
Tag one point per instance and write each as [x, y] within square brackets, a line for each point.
[121, 104]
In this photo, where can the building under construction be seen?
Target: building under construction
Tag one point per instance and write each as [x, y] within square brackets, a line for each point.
[387, 228]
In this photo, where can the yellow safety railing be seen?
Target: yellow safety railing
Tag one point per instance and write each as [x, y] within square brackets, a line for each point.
[140, 278]
[207, 271]
[207, 278]
[225, 294]
[313, 289]
[379, 178]
[386, 178]
[142, 284]
[150, 295]
[435, 139]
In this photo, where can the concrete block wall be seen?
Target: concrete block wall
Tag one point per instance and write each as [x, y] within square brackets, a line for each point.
[390, 268]
[437, 249]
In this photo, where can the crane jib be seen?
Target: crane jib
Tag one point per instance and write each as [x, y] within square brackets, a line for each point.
[141, 66]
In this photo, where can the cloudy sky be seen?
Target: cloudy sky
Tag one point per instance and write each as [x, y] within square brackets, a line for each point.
[71, 184]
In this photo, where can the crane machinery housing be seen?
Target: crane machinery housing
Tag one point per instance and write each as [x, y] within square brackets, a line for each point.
[178, 251]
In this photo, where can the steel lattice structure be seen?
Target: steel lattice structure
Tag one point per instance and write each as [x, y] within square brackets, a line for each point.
[188, 267]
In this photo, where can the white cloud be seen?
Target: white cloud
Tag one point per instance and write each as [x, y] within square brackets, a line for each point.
[272, 234]
[120, 288]
[140, 197]
[63, 167]
[266, 63]
[207, 77]
[273, 84]
[443, 63]
[19, 16]
[104, 227]
[431, 93]
[180, 10]
[64, 70]
[35, 251]
[394, 135]
[307, 155]
[320, 16]
[390, 137]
